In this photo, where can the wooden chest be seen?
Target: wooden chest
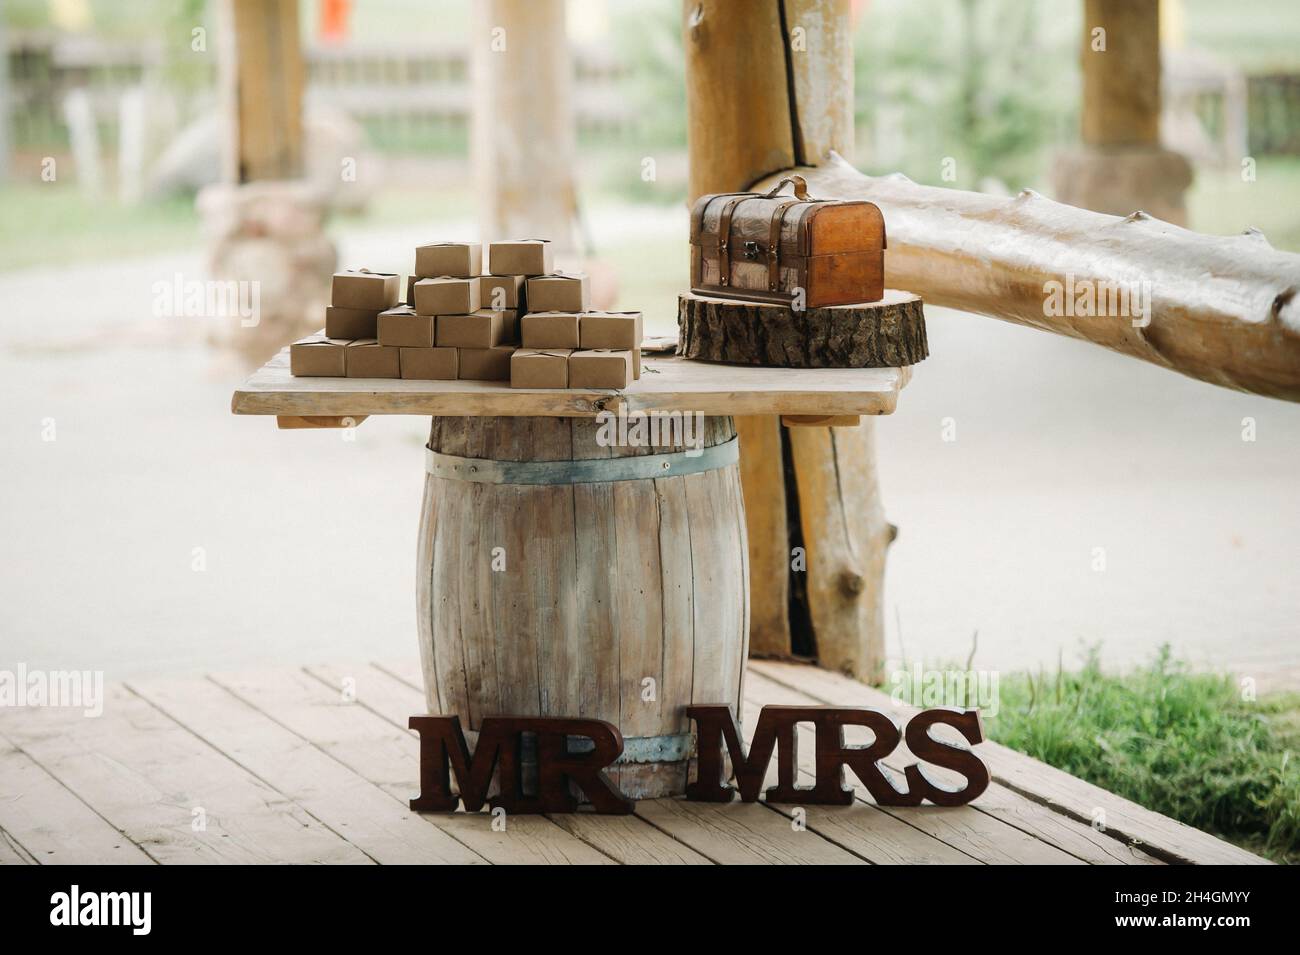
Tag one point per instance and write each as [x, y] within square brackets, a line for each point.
[768, 247]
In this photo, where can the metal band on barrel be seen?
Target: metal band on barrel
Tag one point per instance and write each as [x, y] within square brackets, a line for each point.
[670, 748]
[657, 749]
[590, 471]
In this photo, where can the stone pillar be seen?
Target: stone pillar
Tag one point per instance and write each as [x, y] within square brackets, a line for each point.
[1120, 166]
[271, 234]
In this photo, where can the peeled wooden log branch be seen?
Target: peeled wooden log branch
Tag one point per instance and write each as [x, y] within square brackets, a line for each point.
[1221, 309]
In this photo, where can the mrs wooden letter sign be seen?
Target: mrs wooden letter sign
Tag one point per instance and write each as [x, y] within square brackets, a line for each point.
[443, 751]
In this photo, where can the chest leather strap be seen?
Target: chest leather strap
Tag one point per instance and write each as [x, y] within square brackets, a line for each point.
[724, 236]
[774, 244]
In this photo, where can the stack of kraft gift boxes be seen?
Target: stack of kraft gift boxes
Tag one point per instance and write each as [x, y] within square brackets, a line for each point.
[458, 322]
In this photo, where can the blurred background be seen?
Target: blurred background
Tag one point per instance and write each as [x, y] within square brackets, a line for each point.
[143, 528]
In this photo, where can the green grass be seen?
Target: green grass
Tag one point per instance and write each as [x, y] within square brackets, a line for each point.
[1222, 203]
[1258, 36]
[54, 224]
[406, 205]
[1181, 743]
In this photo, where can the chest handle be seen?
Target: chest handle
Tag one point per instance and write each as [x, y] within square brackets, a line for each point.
[799, 183]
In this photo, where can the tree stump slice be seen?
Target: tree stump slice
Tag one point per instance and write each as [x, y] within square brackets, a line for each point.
[889, 333]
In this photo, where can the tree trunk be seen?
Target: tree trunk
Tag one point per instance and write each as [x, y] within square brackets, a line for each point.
[1121, 165]
[762, 477]
[1121, 73]
[845, 535]
[739, 127]
[5, 157]
[522, 134]
[769, 85]
[263, 221]
[262, 80]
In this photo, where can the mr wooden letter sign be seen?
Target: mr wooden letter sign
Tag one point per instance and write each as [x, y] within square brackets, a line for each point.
[443, 751]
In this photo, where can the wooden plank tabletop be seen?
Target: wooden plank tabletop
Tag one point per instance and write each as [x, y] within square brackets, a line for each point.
[316, 764]
[667, 383]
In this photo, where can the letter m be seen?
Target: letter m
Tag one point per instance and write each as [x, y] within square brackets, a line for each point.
[716, 725]
[443, 750]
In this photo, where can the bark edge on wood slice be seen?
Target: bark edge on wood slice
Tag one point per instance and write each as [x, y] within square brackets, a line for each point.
[889, 333]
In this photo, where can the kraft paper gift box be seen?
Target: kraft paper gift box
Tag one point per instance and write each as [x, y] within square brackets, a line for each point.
[501, 291]
[509, 325]
[483, 329]
[549, 330]
[446, 296]
[486, 364]
[369, 359]
[350, 322]
[459, 259]
[560, 292]
[600, 368]
[540, 368]
[429, 364]
[402, 327]
[599, 329]
[521, 257]
[318, 356]
[361, 288]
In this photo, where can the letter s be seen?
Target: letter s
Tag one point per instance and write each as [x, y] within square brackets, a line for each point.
[961, 760]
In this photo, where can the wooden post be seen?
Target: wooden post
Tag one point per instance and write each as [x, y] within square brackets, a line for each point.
[5, 157]
[1121, 166]
[770, 85]
[522, 134]
[84, 135]
[1121, 82]
[264, 220]
[845, 535]
[737, 94]
[263, 82]
[763, 480]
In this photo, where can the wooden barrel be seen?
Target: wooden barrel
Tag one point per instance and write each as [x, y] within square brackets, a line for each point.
[562, 576]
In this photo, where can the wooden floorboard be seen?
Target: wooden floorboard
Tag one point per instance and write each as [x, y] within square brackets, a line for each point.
[50, 824]
[317, 764]
[742, 834]
[1058, 791]
[358, 810]
[387, 756]
[170, 793]
[626, 840]
[11, 853]
[1000, 827]
[868, 831]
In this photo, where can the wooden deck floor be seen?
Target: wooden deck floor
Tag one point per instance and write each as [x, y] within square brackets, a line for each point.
[276, 766]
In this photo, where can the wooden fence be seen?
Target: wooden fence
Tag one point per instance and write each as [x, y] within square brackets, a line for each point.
[411, 97]
[414, 97]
